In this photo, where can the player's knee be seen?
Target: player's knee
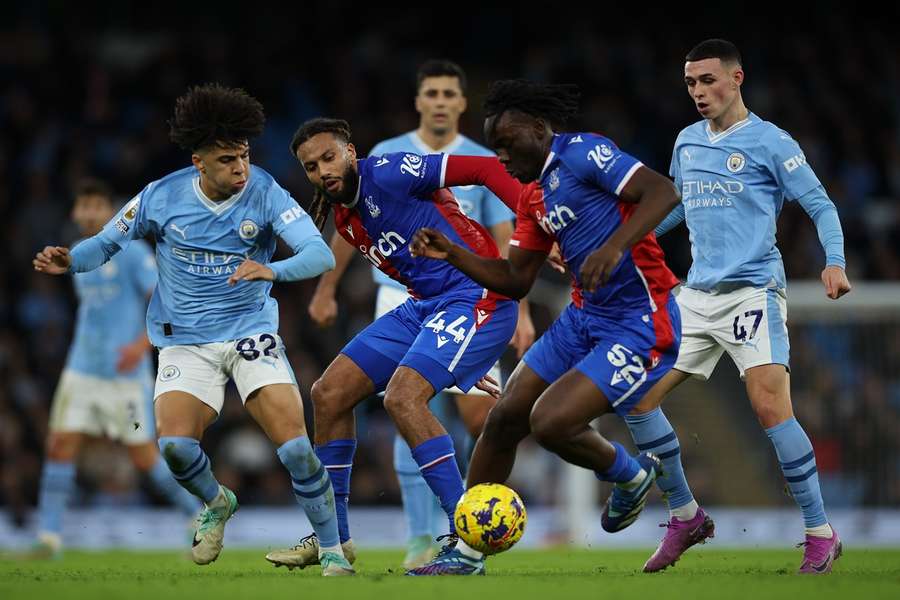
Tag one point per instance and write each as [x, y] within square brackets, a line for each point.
[325, 396]
[504, 426]
[398, 405]
[546, 428]
[61, 448]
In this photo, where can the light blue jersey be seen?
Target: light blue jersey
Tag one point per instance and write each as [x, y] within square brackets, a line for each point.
[200, 243]
[112, 301]
[476, 202]
[733, 185]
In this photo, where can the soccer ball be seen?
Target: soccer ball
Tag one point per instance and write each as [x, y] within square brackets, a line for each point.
[490, 518]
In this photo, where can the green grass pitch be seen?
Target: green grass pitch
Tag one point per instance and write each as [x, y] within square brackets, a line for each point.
[518, 574]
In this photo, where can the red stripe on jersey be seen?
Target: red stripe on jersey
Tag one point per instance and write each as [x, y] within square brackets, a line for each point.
[472, 233]
[650, 259]
[351, 228]
[484, 309]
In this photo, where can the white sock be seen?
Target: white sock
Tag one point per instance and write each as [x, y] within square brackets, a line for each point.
[335, 549]
[219, 501]
[686, 512]
[634, 483]
[822, 531]
[468, 552]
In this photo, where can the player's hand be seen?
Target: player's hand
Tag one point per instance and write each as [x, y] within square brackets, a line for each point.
[556, 260]
[130, 356]
[323, 309]
[53, 260]
[523, 338]
[430, 243]
[250, 270]
[489, 385]
[598, 266]
[836, 282]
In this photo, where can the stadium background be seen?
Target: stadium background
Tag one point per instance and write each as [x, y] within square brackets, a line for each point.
[86, 90]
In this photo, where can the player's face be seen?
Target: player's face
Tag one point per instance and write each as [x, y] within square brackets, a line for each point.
[521, 143]
[440, 102]
[224, 170]
[713, 85]
[91, 212]
[329, 164]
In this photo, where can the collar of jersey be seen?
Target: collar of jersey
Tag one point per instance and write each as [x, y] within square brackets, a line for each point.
[550, 156]
[422, 147]
[216, 207]
[715, 137]
[356, 197]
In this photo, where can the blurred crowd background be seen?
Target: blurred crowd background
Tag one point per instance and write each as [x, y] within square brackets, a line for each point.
[87, 91]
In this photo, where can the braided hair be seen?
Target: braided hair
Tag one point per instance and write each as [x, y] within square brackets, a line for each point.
[320, 205]
[554, 103]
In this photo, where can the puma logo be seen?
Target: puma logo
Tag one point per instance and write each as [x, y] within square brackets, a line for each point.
[183, 232]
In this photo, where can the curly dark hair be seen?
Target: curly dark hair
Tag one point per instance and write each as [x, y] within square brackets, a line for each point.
[213, 114]
[320, 206]
[555, 103]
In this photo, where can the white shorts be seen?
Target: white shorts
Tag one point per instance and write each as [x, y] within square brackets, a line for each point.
[120, 408]
[389, 298]
[748, 323]
[203, 370]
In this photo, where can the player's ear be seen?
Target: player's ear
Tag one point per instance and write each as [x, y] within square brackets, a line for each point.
[198, 163]
[737, 76]
[351, 151]
[419, 103]
[465, 104]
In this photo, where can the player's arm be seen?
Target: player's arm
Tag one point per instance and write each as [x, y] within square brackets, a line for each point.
[323, 306]
[525, 333]
[672, 220]
[655, 197]
[145, 276]
[824, 215]
[311, 258]
[485, 171]
[89, 254]
[511, 277]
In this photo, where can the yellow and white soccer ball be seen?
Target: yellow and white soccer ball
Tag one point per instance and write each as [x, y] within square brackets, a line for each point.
[490, 518]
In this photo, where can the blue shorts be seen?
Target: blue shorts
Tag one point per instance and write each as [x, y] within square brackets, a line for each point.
[623, 357]
[451, 340]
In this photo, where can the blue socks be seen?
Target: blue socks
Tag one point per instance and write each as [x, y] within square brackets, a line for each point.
[190, 466]
[419, 502]
[624, 468]
[652, 432]
[57, 483]
[436, 459]
[165, 484]
[337, 457]
[798, 463]
[312, 488]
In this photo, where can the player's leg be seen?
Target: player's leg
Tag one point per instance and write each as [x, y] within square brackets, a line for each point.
[507, 424]
[130, 419]
[146, 458]
[452, 348]
[651, 431]
[756, 337]
[278, 409]
[190, 392]
[768, 387]
[71, 417]
[56, 486]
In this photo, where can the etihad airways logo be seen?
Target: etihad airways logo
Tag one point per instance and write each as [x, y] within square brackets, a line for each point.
[710, 186]
[204, 262]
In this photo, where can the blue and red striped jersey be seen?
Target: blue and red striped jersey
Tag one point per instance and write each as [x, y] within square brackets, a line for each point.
[398, 194]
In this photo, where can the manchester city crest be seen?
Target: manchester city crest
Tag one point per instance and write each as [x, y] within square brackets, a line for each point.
[735, 162]
[248, 229]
